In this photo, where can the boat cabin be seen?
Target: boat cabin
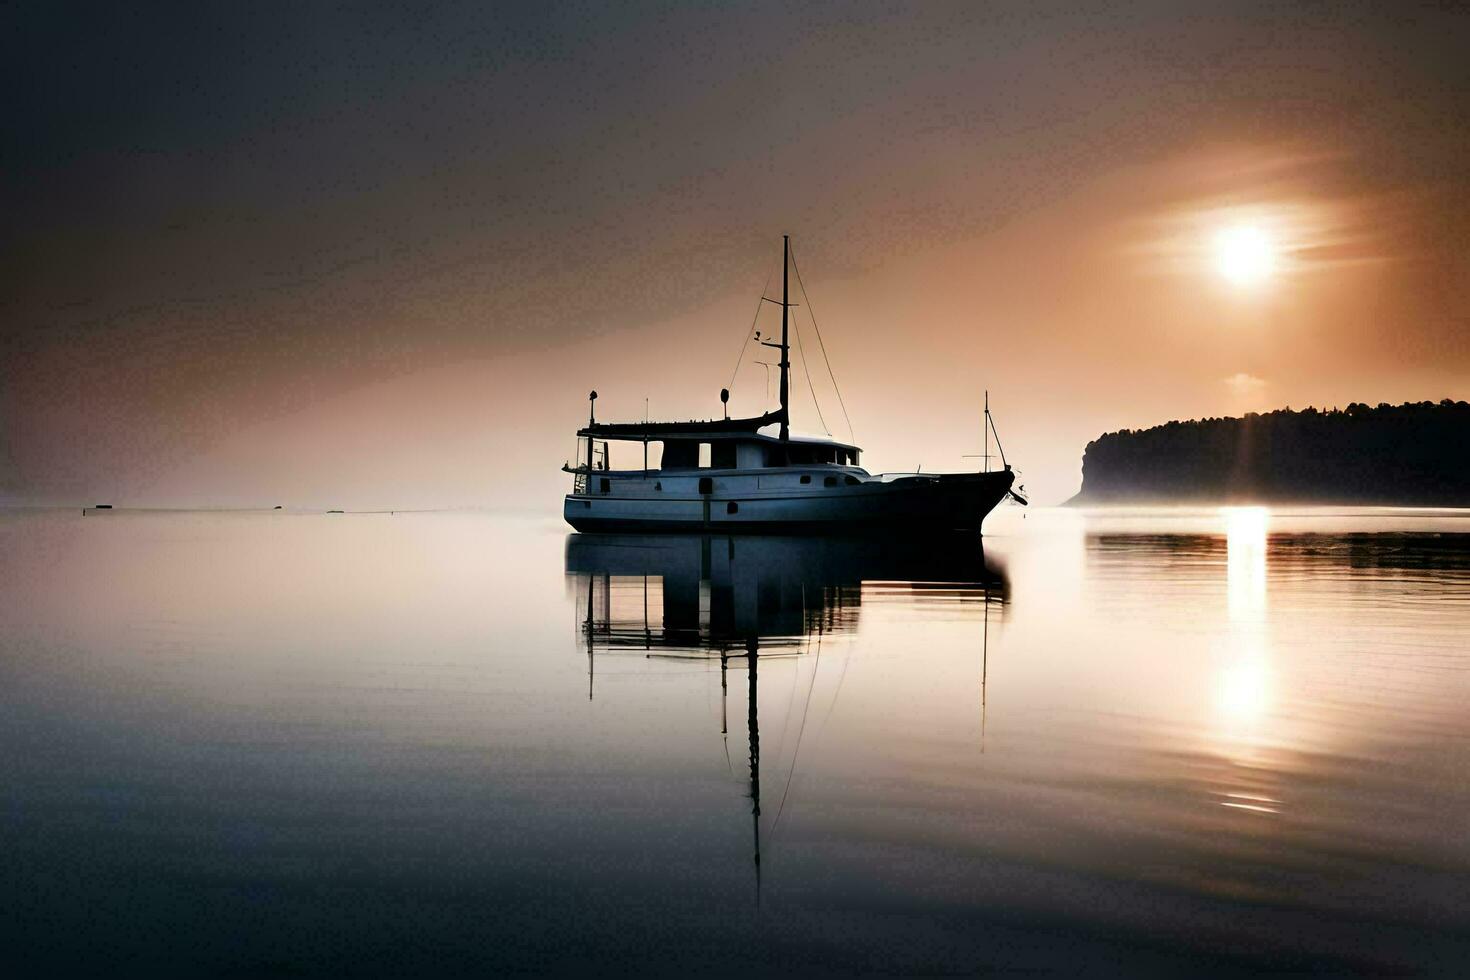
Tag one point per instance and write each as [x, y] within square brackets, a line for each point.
[759, 452]
[746, 453]
[726, 448]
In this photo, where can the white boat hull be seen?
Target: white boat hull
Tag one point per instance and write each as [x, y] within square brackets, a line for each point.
[751, 505]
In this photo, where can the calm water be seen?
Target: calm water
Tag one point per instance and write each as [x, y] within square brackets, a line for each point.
[373, 744]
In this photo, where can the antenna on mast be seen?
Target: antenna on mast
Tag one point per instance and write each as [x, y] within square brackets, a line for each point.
[591, 439]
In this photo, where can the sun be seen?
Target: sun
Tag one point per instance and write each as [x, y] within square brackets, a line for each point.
[1245, 255]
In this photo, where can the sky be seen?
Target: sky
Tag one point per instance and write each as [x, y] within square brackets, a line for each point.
[375, 255]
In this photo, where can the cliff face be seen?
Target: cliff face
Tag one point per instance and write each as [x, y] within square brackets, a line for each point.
[1415, 454]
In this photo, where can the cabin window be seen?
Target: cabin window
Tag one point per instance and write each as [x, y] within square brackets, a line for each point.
[722, 455]
[680, 454]
[851, 481]
[749, 455]
[704, 456]
[593, 453]
[606, 485]
[627, 454]
[806, 478]
[830, 481]
[732, 507]
[706, 485]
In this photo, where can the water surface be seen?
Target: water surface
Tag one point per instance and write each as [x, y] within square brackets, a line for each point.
[356, 744]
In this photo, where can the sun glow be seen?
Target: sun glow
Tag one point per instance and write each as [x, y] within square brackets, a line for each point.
[1245, 255]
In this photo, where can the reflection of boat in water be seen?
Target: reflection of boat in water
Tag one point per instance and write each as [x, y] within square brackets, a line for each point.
[752, 475]
[705, 593]
[738, 598]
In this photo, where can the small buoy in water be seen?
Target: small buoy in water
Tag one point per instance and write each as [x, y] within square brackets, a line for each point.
[102, 507]
[334, 512]
[276, 507]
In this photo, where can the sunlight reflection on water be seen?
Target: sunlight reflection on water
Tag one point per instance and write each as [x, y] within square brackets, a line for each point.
[1245, 678]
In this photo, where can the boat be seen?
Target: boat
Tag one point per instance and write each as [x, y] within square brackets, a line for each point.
[752, 475]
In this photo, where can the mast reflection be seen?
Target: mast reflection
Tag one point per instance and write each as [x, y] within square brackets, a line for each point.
[741, 598]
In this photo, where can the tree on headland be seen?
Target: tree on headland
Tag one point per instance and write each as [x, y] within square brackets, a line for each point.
[1417, 453]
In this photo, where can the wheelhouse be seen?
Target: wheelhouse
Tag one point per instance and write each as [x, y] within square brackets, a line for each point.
[682, 453]
[823, 463]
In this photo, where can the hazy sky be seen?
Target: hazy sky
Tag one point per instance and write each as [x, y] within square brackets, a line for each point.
[370, 256]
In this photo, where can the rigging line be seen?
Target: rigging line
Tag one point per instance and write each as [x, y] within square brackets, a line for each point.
[804, 639]
[812, 313]
[753, 320]
[790, 702]
[781, 807]
[833, 705]
[995, 432]
[806, 368]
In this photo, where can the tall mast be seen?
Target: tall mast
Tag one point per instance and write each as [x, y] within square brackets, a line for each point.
[785, 346]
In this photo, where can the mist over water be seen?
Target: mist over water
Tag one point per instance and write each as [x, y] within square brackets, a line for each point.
[1114, 741]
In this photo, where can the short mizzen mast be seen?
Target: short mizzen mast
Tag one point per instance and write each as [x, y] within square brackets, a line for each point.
[985, 424]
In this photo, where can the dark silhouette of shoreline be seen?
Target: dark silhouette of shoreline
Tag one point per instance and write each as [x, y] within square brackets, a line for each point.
[1414, 454]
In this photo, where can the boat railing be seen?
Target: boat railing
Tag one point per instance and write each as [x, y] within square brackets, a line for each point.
[589, 459]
